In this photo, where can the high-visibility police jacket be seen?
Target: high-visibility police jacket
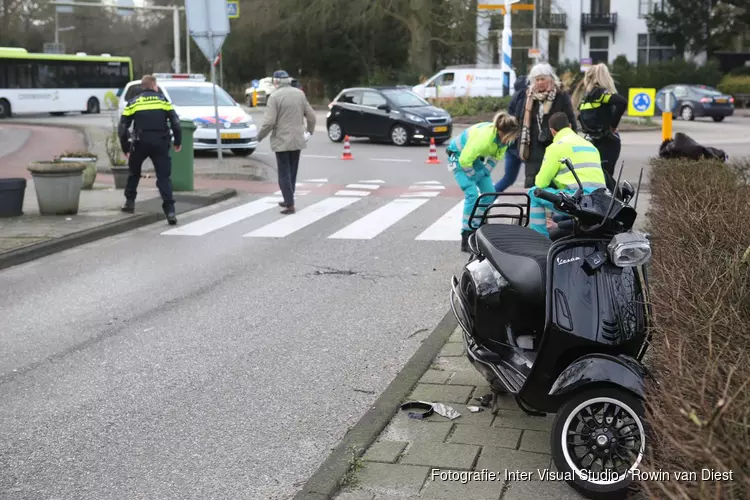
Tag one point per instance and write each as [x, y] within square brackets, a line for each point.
[478, 142]
[581, 153]
[600, 111]
[153, 116]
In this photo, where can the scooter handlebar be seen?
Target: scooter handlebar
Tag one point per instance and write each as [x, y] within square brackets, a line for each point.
[553, 198]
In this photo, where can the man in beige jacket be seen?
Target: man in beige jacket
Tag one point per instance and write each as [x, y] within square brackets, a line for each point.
[286, 109]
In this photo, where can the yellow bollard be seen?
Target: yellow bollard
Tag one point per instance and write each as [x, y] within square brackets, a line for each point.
[666, 126]
[255, 98]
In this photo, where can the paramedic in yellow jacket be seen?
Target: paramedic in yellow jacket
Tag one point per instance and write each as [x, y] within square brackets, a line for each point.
[471, 158]
[554, 176]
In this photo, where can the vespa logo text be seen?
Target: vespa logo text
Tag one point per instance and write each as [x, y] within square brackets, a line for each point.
[560, 261]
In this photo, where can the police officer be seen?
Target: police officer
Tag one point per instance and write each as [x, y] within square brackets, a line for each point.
[600, 111]
[554, 176]
[150, 111]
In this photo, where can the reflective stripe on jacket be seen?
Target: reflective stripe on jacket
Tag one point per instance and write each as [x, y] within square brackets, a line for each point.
[581, 153]
[478, 142]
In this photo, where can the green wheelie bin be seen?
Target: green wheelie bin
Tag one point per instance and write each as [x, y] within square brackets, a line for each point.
[183, 162]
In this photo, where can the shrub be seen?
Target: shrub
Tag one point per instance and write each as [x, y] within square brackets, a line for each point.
[734, 85]
[699, 411]
[472, 106]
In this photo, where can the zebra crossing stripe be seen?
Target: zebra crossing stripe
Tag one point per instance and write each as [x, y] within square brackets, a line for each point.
[349, 192]
[308, 215]
[225, 218]
[378, 221]
[446, 228]
[421, 194]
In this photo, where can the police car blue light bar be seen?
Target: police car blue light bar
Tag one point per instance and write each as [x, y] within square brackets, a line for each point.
[180, 76]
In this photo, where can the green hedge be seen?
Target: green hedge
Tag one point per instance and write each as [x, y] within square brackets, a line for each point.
[472, 106]
[734, 85]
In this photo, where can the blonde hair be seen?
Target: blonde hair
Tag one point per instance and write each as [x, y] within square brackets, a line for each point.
[506, 126]
[598, 76]
[148, 82]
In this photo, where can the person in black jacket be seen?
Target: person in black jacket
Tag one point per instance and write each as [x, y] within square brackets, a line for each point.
[543, 98]
[600, 111]
[152, 116]
[512, 161]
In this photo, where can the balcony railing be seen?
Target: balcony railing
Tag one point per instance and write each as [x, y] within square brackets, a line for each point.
[552, 21]
[590, 22]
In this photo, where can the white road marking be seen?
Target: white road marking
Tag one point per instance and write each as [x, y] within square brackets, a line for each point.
[397, 160]
[414, 188]
[362, 186]
[321, 156]
[296, 193]
[376, 181]
[316, 180]
[225, 218]
[423, 183]
[447, 227]
[291, 223]
[347, 192]
[421, 194]
[378, 221]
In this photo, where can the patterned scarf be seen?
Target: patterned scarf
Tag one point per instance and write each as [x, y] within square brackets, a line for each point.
[545, 100]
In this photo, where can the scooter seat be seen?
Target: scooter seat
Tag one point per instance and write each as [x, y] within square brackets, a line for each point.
[520, 255]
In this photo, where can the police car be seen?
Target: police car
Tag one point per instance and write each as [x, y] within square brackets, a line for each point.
[192, 98]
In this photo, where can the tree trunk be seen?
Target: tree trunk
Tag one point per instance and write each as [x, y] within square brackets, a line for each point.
[420, 50]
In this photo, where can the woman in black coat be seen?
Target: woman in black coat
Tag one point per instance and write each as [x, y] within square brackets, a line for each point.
[544, 97]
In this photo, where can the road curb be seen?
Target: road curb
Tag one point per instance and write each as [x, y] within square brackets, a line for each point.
[83, 129]
[55, 245]
[326, 481]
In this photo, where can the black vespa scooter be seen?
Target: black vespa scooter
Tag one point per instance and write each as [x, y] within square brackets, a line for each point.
[562, 327]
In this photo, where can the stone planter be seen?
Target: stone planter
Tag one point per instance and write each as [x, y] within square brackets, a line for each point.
[12, 192]
[120, 173]
[89, 175]
[57, 185]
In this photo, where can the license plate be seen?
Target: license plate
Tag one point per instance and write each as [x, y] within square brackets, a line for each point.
[440, 129]
[722, 101]
[230, 136]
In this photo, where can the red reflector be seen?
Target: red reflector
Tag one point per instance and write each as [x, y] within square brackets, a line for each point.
[731, 100]
[705, 99]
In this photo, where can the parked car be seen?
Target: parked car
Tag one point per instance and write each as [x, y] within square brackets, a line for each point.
[695, 101]
[192, 98]
[393, 113]
[264, 90]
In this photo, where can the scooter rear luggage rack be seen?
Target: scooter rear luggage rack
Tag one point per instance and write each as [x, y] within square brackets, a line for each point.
[523, 219]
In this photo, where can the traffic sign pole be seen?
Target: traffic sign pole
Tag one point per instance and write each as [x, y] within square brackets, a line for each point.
[666, 117]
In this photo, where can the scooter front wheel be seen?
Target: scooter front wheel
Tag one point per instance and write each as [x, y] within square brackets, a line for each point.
[598, 439]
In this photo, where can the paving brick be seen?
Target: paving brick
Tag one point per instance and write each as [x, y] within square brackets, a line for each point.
[435, 377]
[483, 418]
[541, 490]
[502, 459]
[436, 393]
[397, 497]
[385, 451]
[392, 478]
[452, 349]
[355, 494]
[449, 485]
[441, 455]
[405, 429]
[535, 441]
[467, 377]
[451, 364]
[483, 436]
[519, 420]
[457, 335]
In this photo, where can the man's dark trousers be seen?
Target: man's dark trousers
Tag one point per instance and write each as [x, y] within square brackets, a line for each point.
[288, 163]
[158, 150]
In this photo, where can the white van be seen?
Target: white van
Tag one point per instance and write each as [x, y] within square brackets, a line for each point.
[465, 81]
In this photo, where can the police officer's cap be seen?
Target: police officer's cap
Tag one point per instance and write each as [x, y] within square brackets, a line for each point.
[281, 75]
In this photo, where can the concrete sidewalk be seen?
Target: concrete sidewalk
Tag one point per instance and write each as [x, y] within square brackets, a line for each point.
[31, 235]
[402, 463]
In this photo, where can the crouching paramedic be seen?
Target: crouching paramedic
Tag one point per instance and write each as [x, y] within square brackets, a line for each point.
[554, 176]
[150, 112]
[471, 158]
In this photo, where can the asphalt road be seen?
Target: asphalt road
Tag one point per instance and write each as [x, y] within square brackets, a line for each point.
[404, 166]
[225, 357]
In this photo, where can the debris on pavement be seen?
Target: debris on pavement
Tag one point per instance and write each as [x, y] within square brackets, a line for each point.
[475, 409]
[429, 409]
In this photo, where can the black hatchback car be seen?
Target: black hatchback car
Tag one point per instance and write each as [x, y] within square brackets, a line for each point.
[393, 113]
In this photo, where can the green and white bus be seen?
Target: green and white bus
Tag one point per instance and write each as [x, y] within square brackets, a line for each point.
[59, 83]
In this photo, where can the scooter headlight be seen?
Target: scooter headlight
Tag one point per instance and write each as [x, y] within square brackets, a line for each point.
[629, 249]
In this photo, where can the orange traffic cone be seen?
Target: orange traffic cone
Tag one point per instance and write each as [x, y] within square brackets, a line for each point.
[347, 155]
[433, 153]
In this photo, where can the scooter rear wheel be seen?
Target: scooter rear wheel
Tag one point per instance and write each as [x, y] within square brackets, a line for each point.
[598, 438]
